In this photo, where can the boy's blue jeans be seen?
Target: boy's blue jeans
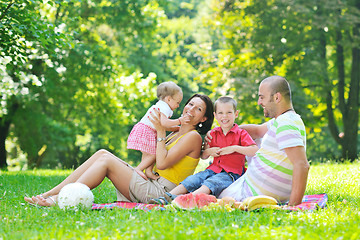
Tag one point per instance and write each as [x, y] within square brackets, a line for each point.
[216, 182]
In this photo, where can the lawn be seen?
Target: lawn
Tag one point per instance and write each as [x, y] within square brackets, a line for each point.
[340, 220]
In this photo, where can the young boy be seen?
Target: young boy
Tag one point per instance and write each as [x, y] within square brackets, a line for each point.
[228, 146]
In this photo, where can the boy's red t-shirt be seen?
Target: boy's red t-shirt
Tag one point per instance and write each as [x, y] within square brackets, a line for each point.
[234, 162]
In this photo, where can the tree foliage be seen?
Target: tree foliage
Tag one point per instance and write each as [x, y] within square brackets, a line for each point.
[77, 75]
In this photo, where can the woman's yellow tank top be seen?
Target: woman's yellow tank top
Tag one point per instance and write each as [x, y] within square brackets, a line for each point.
[182, 169]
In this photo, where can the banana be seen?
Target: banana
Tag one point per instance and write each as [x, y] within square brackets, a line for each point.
[256, 200]
[271, 206]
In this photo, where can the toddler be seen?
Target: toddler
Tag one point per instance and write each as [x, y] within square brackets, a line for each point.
[143, 135]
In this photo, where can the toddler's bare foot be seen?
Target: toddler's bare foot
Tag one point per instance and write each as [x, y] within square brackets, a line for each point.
[141, 173]
[149, 173]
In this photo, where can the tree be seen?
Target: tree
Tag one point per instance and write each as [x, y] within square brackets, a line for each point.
[21, 29]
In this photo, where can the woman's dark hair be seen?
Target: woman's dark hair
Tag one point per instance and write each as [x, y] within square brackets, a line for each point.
[209, 113]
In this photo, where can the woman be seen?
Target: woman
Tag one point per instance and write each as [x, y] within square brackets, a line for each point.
[176, 158]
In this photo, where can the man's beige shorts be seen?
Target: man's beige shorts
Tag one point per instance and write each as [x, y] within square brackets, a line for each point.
[142, 190]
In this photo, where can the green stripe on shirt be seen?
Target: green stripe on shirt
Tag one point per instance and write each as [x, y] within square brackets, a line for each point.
[274, 166]
[285, 128]
[252, 189]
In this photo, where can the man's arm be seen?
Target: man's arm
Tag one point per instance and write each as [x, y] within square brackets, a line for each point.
[256, 131]
[297, 156]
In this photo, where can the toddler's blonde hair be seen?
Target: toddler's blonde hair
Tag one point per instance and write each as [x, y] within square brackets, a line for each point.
[167, 89]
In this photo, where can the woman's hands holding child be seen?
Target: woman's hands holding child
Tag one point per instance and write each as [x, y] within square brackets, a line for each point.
[156, 119]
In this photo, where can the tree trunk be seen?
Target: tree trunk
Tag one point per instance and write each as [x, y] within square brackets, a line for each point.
[4, 131]
[5, 122]
[350, 108]
[352, 119]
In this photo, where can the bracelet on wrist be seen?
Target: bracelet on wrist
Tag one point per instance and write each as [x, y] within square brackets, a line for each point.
[159, 139]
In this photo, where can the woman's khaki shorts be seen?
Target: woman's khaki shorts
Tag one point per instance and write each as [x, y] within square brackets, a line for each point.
[142, 190]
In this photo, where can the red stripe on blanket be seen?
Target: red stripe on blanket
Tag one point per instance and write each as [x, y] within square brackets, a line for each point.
[126, 205]
[309, 202]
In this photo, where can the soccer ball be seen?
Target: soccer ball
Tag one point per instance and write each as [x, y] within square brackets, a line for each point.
[74, 195]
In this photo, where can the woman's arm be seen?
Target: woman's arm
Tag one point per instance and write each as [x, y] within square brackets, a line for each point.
[190, 145]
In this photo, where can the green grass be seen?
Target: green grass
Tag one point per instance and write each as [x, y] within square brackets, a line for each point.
[340, 220]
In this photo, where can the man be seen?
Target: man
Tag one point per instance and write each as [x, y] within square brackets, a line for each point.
[280, 167]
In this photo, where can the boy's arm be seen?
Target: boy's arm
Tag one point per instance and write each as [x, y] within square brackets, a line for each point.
[210, 151]
[246, 146]
[245, 150]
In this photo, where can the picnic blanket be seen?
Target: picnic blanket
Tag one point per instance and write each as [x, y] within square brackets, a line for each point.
[127, 205]
[309, 202]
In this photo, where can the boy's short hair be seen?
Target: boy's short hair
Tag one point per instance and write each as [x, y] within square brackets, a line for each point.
[167, 89]
[226, 100]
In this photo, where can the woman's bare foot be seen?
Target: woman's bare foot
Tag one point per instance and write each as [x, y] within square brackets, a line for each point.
[29, 200]
[41, 201]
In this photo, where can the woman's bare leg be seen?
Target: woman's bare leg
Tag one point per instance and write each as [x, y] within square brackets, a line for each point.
[73, 177]
[110, 167]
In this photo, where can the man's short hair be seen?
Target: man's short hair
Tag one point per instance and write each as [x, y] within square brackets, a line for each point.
[279, 84]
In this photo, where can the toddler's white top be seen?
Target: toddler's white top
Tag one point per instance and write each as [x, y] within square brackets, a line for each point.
[164, 108]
